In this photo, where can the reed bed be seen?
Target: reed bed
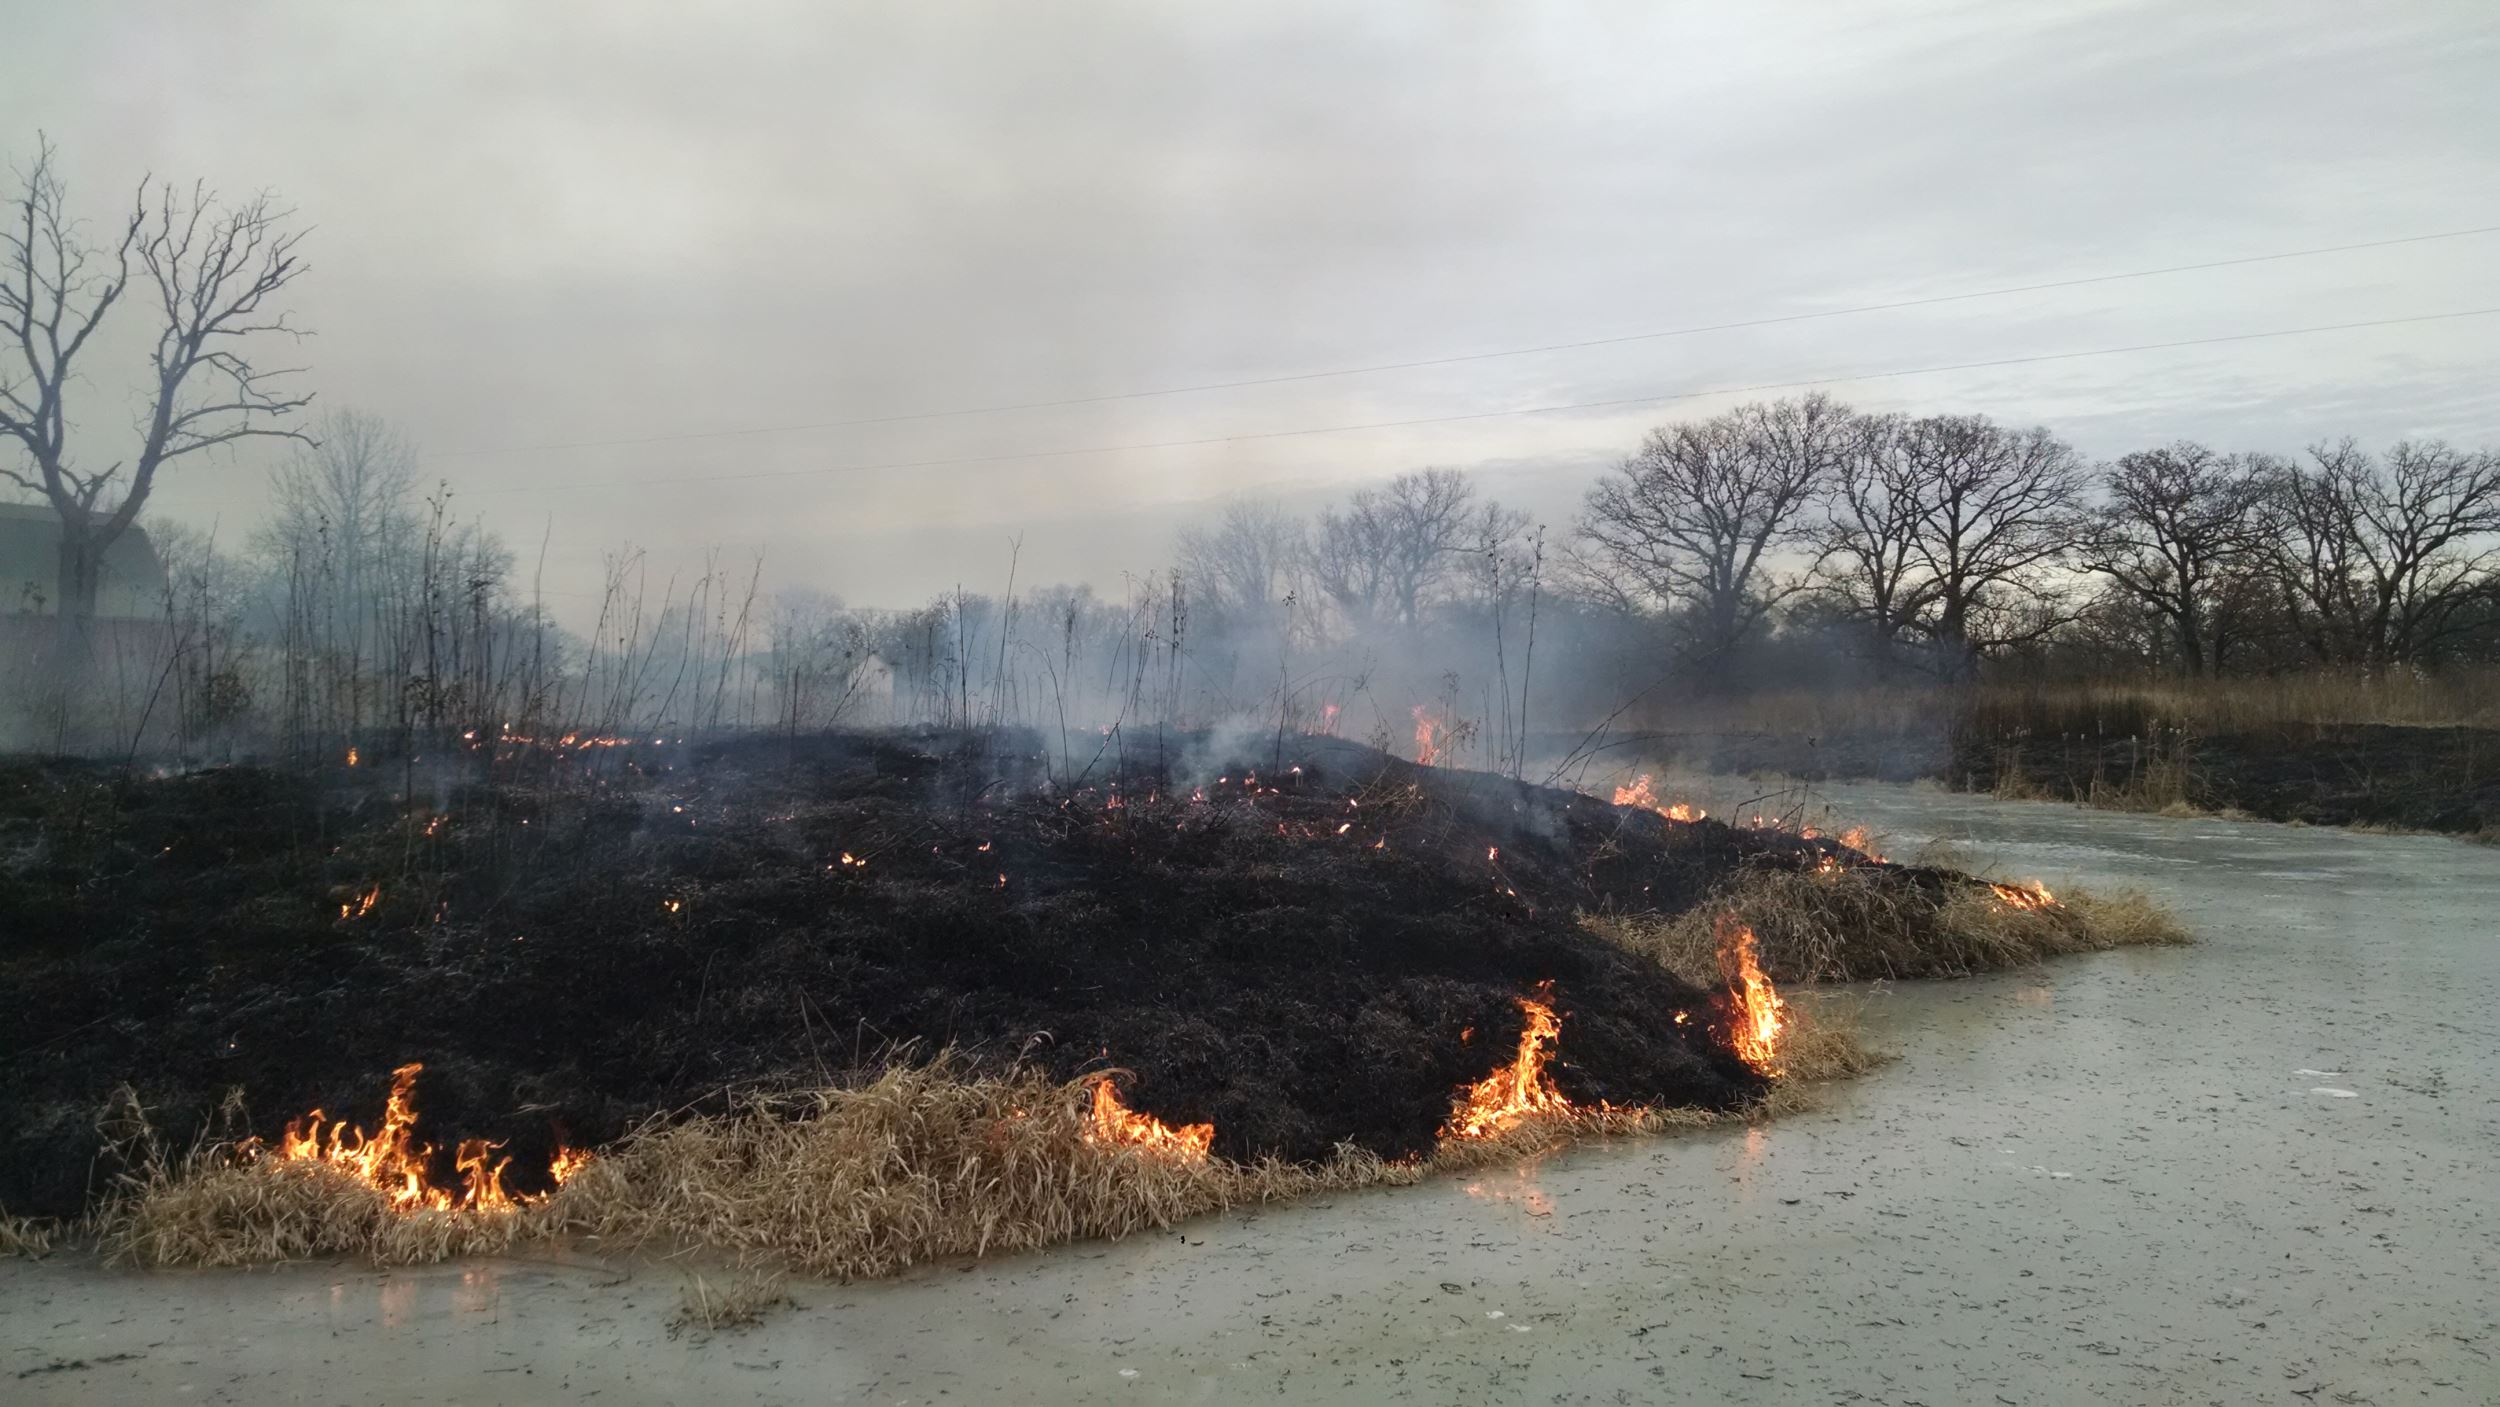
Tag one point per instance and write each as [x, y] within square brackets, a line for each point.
[1858, 924]
[923, 1162]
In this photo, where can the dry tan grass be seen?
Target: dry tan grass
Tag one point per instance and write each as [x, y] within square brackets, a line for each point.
[1860, 924]
[27, 1236]
[924, 1162]
[735, 1303]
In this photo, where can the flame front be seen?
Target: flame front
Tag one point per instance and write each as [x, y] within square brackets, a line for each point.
[1760, 1015]
[1642, 794]
[1495, 1104]
[1116, 1125]
[392, 1162]
[2033, 897]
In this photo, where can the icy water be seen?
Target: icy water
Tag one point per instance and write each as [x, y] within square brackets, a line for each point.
[2256, 1170]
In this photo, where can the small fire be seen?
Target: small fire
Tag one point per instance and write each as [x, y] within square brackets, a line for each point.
[2034, 896]
[481, 1176]
[1857, 838]
[1761, 1016]
[391, 1160]
[362, 904]
[1495, 1104]
[567, 1162]
[850, 861]
[351, 757]
[1429, 736]
[1643, 794]
[1117, 1125]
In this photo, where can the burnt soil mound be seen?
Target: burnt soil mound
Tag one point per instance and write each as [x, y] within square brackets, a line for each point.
[1315, 951]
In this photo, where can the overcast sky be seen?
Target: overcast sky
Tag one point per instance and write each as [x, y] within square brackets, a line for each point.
[538, 224]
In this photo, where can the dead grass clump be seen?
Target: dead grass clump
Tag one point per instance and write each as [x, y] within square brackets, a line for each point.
[1859, 924]
[2125, 918]
[220, 1204]
[923, 1163]
[737, 1303]
[27, 1236]
[1825, 1041]
[255, 1212]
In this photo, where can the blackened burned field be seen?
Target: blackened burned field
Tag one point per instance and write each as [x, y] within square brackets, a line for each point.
[1320, 950]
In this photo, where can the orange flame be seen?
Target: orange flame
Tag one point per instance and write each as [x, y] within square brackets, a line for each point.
[1642, 794]
[1117, 1125]
[1761, 1016]
[481, 1176]
[566, 1163]
[362, 904]
[392, 1162]
[1428, 736]
[2033, 897]
[1495, 1104]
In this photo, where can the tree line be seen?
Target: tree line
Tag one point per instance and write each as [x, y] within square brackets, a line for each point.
[1930, 543]
[1924, 546]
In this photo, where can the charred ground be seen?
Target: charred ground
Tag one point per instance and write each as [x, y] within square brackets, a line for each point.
[1316, 950]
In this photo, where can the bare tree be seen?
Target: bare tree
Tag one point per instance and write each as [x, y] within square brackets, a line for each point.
[2175, 524]
[2378, 563]
[1868, 564]
[1246, 564]
[1687, 522]
[212, 271]
[1393, 549]
[1994, 513]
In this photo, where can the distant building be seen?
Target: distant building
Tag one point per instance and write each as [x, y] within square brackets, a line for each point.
[133, 584]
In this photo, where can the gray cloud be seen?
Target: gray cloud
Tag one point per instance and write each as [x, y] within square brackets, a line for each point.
[558, 222]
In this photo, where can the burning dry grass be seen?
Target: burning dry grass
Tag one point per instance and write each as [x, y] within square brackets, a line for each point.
[924, 1162]
[1854, 924]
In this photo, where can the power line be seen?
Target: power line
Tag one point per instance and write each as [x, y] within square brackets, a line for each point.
[1465, 357]
[1659, 399]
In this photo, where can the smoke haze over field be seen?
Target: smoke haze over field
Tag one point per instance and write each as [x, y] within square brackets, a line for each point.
[538, 225]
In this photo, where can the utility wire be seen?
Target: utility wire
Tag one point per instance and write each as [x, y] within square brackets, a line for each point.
[1659, 399]
[1465, 357]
